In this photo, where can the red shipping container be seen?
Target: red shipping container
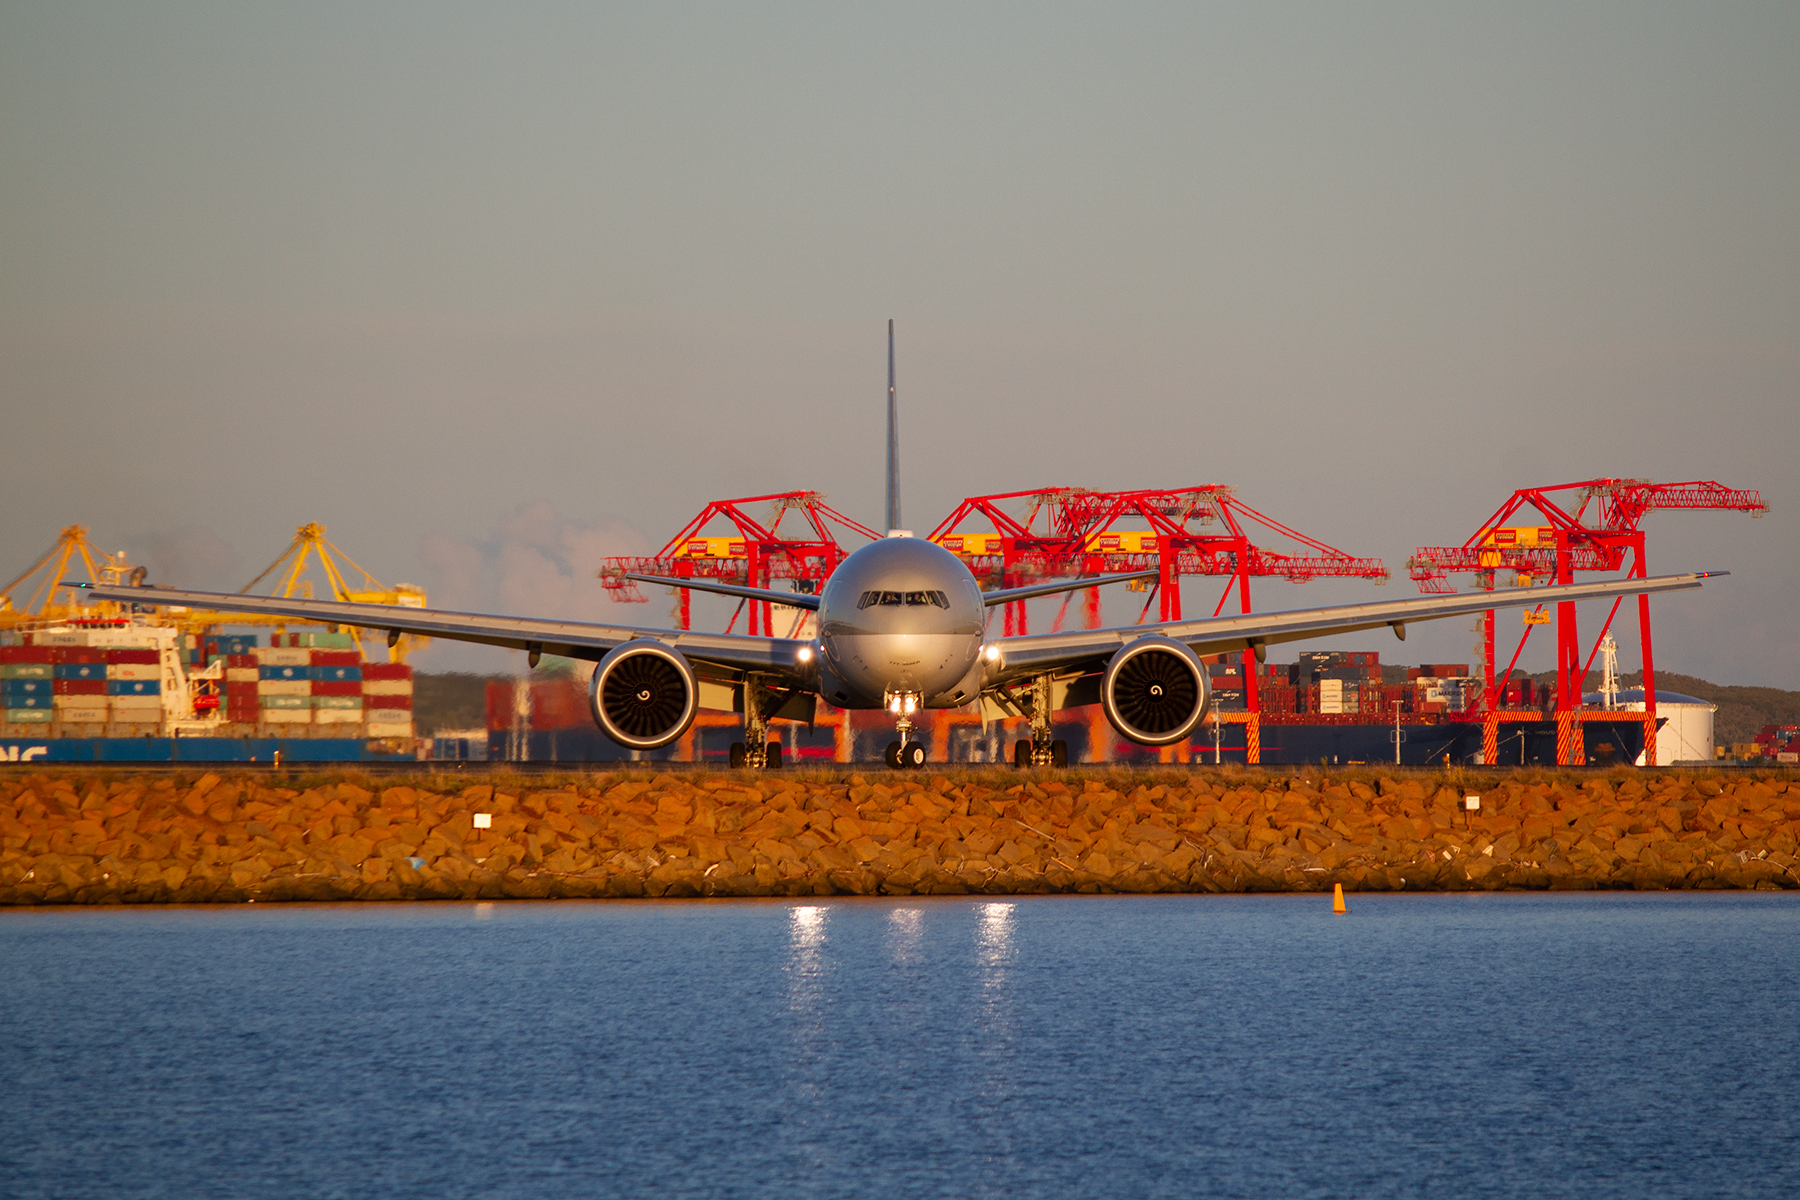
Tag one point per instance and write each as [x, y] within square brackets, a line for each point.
[559, 704]
[240, 660]
[387, 671]
[77, 654]
[499, 704]
[142, 657]
[335, 658]
[25, 654]
[247, 690]
[337, 687]
[80, 687]
[387, 701]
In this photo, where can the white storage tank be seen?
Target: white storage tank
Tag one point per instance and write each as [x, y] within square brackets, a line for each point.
[1686, 734]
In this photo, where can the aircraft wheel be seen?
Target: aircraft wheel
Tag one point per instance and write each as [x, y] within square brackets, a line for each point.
[773, 755]
[1059, 753]
[737, 755]
[1022, 753]
[914, 755]
[893, 756]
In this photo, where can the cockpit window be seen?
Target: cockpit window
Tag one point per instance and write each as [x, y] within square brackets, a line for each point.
[913, 599]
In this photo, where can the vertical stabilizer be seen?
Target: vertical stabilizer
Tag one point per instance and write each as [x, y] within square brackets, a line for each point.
[893, 444]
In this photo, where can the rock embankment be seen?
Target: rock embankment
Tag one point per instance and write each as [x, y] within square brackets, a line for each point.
[104, 838]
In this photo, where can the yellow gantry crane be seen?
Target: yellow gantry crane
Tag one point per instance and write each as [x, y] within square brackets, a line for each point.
[37, 596]
[309, 544]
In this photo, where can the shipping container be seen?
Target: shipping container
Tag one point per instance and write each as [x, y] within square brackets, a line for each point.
[35, 700]
[133, 671]
[338, 674]
[386, 687]
[336, 658]
[338, 702]
[80, 687]
[284, 687]
[242, 674]
[25, 670]
[274, 656]
[288, 673]
[338, 716]
[284, 703]
[334, 687]
[286, 716]
[123, 704]
[81, 670]
[387, 671]
[27, 716]
[38, 655]
[388, 703]
[27, 687]
[138, 656]
[133, 687]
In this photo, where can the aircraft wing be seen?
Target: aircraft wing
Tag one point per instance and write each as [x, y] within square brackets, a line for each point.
[1086, 650]
[769, 595]
[572, 639]
[1008, 595]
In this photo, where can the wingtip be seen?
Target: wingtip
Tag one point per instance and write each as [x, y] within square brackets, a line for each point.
[1710, 574]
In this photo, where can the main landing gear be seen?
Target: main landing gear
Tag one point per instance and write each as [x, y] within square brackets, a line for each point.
[756, 751]
[1027, 753]
[1040, 750]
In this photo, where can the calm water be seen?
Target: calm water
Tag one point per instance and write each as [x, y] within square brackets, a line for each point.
[1492, 1045]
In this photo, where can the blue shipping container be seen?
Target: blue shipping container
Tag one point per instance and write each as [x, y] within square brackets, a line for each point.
[81, 670]
[337, 674]
[134, 687]
[26, 687]
[285, 672]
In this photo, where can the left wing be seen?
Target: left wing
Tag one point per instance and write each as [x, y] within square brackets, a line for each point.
[728, 654]
[1088, 649]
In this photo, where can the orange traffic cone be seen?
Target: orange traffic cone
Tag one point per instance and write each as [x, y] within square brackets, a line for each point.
[1337, 898]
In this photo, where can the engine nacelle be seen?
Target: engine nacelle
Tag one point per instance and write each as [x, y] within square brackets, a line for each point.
[643, 695]
[1154, 691]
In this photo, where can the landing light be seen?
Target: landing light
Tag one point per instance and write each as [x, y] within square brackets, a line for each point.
[992, 653]
[804, 654]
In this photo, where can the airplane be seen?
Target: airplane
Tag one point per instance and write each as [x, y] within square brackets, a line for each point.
[900, 627]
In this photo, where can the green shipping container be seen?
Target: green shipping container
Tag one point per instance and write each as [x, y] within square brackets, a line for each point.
[27, 671]
[325, 641]
[28, 716]
[286, 701]
[337, 701]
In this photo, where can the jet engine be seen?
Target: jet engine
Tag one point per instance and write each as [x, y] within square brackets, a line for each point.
[1154, 691]
[643, 695]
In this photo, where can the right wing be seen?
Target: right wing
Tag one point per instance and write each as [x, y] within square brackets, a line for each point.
[1087, 650]
[729, 654]
[1008, 595]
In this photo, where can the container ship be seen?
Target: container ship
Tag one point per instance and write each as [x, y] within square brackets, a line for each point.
[100, 683]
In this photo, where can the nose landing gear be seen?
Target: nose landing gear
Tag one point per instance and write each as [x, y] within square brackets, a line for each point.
[903, 754]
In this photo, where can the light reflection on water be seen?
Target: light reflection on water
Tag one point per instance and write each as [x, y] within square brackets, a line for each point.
[1610, 1046]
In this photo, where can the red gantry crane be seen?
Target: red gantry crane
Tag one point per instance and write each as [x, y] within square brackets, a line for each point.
[1192, 531]
[1596, 536]
[753, 556]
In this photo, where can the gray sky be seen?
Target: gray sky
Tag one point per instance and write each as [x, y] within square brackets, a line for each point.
[496, 290]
